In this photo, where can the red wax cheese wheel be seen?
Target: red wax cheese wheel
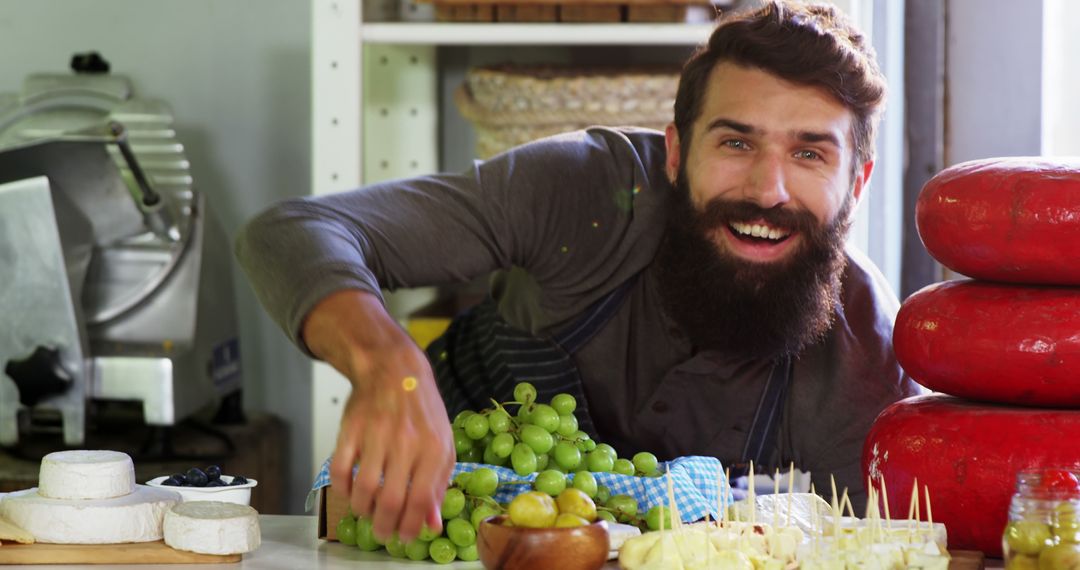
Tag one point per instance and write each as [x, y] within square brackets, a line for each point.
[1005, 219]
[1014, 344]
[968, 455]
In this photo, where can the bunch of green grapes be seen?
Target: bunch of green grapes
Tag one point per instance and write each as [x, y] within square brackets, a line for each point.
[612, 508]
[538, 437]
[468, 501]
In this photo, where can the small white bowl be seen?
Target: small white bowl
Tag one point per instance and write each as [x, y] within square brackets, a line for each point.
[240, 494]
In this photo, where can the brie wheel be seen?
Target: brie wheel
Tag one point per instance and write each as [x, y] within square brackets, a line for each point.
[84, 474]
[212, 527]
[135, 517]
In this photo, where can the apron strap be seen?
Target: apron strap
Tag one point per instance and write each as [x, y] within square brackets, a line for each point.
[765, 429]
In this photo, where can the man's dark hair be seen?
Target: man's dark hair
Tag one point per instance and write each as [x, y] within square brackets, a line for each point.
[812, 45]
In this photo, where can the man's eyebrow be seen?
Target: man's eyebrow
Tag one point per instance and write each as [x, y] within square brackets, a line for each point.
[721, 122]
[814, 137]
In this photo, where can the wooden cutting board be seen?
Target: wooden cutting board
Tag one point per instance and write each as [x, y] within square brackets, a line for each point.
[129, 553]
[966, 560]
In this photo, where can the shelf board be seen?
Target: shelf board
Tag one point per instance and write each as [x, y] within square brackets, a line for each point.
[534, 34]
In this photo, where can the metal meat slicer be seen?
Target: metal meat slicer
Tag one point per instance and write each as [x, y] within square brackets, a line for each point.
[115, 279]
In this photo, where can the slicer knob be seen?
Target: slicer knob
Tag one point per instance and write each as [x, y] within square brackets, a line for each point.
[89, 62]
[39, 376]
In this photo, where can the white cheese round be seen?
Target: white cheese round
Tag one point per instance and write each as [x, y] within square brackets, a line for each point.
[86, 474]
[135, 517]
[212, 527]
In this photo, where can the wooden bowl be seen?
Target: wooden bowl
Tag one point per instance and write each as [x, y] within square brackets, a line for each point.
[519, 548]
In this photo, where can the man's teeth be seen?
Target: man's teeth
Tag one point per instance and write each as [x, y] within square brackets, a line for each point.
[759, 231]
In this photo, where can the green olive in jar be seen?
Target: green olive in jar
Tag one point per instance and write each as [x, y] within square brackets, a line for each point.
[1064, 556]
[1066, 526]
[1028, 537]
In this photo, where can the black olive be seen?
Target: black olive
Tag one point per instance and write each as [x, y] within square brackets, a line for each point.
[239, 480]
[213, 473]
[196, 477]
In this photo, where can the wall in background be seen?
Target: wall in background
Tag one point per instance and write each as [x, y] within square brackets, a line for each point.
[1061, 78]
[237, 75]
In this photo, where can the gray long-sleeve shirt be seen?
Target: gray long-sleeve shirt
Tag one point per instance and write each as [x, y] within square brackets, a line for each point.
[574, 216]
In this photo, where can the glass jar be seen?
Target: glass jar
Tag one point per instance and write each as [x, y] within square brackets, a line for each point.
[1044, 521]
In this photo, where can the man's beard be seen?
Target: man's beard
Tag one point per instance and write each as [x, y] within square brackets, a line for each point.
[757, 310]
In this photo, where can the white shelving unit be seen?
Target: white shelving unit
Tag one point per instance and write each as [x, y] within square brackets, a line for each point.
[377, 83]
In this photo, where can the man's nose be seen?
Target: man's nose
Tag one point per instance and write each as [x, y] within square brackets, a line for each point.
[766, 186]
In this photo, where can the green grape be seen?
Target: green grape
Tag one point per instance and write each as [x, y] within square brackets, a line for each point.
[461, 480]
[483, 483]
[605, 448]
[365, 537]
[586, 444]
[567, 456]
[461, 532]
[480, 513]
[550, 481]
[546, 417]
[462, 442]
[395, 547]
[502, 445]
[585, 482]
[485, 441]
[417, 549]
[499, 421]
[474, 455]
[427, 534]
[652, 519]
[564, 404]
[645, 462]
[453, 503]
[568, 426]
[476, 426]
[537, 438]
[554, 466]
[542, 461]
[624, 506]
[468, 553]
[602, 494]
[623, 467]
[599, 462]
[459, 420]
[523, 459]
[442, 551]
[346, 531]
[525, 393]
[491, 459]
[524, 412]
[606, 515]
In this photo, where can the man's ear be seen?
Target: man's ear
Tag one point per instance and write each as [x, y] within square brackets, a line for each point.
[671, 140]
[862, 179]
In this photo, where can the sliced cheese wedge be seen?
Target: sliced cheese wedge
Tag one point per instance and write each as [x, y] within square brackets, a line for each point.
[9, 531]
[212, 527]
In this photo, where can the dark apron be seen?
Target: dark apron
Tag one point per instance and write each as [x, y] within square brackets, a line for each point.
[480, 357]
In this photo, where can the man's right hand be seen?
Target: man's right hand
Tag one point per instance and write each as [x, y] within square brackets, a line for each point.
[394, 423]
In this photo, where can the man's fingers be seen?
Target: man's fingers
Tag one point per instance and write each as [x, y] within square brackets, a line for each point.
[341, 465]
[426, 492]
[391, 500]
[372, 462]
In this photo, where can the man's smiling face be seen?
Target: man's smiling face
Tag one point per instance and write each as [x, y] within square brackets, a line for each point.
[766, 142]
[754, 249]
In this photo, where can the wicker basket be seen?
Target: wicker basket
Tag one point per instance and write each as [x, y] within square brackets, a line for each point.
[512, 105]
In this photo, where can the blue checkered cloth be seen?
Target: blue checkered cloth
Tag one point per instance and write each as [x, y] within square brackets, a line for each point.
[695, 481]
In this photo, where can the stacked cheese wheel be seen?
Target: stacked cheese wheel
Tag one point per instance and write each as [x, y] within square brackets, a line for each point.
[89, 497]
[1003, 347]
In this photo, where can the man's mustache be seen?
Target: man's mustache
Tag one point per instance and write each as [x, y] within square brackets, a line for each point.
[719, 213]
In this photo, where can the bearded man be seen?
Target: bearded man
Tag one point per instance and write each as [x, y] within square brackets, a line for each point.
[691, 288]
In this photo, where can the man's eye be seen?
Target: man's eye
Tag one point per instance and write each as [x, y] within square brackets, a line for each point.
[736, 144]
[807, 154]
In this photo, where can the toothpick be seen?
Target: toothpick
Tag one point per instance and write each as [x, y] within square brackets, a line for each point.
[776, 499]
[676, 518]
[727, 477]
[790, 491]
[845, 503]
[815, 519]
[929, 512]
[750, 496]
[721, 497]
[885, 499]
[836, 512]
[913, 507]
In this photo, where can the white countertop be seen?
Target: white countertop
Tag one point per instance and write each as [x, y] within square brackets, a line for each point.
[290, 542]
